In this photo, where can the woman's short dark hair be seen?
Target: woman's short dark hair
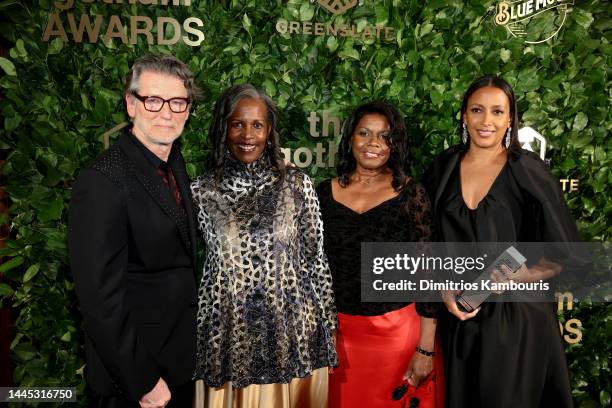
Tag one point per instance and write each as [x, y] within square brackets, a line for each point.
[217, 133]
[397, 140]
[500, 83]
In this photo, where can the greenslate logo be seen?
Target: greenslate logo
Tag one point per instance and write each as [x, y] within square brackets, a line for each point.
[335, 27]
[337, 6]
[535, 21]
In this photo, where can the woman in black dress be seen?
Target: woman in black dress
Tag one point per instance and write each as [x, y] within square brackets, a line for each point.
[488, 189]
[372, 200]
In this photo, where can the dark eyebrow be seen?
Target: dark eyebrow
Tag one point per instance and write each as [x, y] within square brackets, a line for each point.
[482, 106]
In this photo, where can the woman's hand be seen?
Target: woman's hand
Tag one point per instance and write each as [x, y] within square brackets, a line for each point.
[449, 299]
[330, 370]
[505, 275]
[419, 368]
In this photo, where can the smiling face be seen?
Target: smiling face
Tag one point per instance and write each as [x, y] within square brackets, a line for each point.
[248, 130]
[487, 117]
[370, 142]
[157, 128]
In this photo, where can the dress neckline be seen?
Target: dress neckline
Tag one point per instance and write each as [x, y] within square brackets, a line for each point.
[382, 203]
[491, 188]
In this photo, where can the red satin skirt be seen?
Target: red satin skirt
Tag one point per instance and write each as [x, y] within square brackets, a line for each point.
[373, 355]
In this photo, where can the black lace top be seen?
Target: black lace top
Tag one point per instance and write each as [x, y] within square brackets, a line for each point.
[404, 218]
[266, 308]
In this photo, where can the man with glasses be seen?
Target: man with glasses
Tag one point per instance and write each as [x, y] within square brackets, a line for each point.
[132, 239]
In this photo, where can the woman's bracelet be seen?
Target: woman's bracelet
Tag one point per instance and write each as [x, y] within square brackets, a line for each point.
[425, 352]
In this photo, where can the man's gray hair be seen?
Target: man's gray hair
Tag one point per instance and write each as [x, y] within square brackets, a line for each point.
[162, 64]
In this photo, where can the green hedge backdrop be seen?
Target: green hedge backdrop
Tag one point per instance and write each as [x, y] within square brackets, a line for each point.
[59, 98]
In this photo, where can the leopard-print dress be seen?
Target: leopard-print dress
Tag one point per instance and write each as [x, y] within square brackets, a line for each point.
[266, 307]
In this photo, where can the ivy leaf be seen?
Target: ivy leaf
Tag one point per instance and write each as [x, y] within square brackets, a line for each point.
[5, 290]
[382, 14]
[568, 164]
[11, 263]
[306, 12]
[52, 211]
[412, 57]
[287, 78]
[604, 398]
[436, 97]
[56, 46]
[246, 22]
[580, 121]
[332, 43]
[102, 108]
[24, 351]
[20, 45]
[31, 272]
[425, 29]
[12, 122]
[269, 87]
[349, 53]
[505, 54]
[582, 17]
[7, 66]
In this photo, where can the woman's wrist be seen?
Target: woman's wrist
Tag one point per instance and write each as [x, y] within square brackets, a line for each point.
[425, 352]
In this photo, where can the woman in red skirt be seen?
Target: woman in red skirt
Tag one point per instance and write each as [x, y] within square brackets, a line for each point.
[380, 345]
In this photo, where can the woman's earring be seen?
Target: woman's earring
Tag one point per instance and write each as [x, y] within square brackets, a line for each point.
[508, 137]
[464, 134]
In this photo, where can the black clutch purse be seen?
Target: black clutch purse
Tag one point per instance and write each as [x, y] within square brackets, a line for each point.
[401, 390]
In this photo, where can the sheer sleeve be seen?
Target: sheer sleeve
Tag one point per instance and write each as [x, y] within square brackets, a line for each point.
[314, 259]
[420, 213]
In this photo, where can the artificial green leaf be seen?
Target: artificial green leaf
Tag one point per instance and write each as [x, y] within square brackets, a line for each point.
[505, 54]
[5, 290]
[246, 22]
[52, 211]
[10, 264]
[7, 66]
[55, 46]
[306, 12]
[580, 121]
[585, 19]
[31, 272]
[349, 53]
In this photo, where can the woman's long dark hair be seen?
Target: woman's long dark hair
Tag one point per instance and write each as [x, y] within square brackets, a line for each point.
[217, 133]
[397, 140]
[500, 83]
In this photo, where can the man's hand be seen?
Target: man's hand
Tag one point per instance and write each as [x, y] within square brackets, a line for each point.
[158, 397]
[449, 299]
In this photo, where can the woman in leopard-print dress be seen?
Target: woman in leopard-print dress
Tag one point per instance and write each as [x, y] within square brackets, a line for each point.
[266, 311]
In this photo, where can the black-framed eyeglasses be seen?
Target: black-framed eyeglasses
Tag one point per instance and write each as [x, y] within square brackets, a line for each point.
[156, 103]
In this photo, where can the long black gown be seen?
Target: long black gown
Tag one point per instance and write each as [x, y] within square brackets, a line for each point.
[509, 354]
